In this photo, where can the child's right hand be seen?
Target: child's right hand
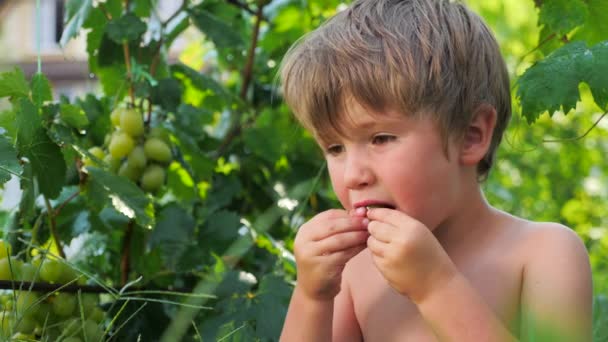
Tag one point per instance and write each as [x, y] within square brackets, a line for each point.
[322, 247]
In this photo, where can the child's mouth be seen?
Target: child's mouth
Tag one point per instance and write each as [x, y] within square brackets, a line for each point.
[380, 205]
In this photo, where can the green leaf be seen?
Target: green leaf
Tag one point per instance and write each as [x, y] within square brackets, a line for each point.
[215, 29]
[173, 233]
[222, 227]
[125, 196]
[270, 308]
[48, 165]
[41, 90]
[125, 29]
[13, 84]
[168, 94]
[73, 116]
[77, 12]
[595, 28]
[552, 83]
[7, 124]
[9, 164]
[552, 15]
[143, 8]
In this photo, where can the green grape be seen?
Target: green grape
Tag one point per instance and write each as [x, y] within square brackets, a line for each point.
[160, 133]
[137, 158]
[5, 249]
[43, 313]
[153, 178]
[26, 325]
[6, 323]
[92, 331]
[132, 122]
[68, 274]
[157, 150]
[121, 145]
[97, 152]
[24, 302]
[71, 339]
[116, 115]
[28, 272]
[97, 315]
[50, 271]
[64, 304]
[132, 173]
[9, 271]
[89, 302]
[113, 163]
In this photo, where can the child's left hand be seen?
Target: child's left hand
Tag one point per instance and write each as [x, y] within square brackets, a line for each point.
[407, 254]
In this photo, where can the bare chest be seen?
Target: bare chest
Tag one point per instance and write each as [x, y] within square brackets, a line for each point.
[385, 315]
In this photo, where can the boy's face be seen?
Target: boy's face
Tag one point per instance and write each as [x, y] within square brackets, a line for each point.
[388, 159]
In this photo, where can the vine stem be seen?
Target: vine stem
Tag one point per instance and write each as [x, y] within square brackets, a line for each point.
[247, 76]
[52, 226]
[73, 288]
[125, 259]
[125, 48]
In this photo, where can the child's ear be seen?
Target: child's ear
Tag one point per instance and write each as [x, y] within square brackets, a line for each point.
[478, 136]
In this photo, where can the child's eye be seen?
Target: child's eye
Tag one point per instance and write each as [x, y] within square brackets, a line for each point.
[334, 149]
[382, 139]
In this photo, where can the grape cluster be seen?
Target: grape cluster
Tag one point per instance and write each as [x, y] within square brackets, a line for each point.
[58, 316]
[134, 153]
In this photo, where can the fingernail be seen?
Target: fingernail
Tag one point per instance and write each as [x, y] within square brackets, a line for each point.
[361, 211]
[365, 222]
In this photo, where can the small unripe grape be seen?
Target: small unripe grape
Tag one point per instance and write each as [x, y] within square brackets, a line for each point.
[9, 271]
[97, 315]
[121, 145]
[92, 331]
[126, 170]
[113, 163]
[50, 271]
[26, 325]
[97, 152]
[157, 150]
[5, 249]
[153, 178]
[28, 272]
[25, 302]
[115, 116]
[132, 122]
[160, 133]
[137, 158]
[64, 304]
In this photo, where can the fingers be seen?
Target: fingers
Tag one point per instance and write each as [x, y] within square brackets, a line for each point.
[343, 256]
[377, 247]
[390, 216]
[381, 231]
[340, 242]
[336, 226]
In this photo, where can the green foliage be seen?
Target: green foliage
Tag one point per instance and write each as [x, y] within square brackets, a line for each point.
[552, 83]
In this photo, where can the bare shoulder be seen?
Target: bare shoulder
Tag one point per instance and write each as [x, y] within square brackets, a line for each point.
[548, 239]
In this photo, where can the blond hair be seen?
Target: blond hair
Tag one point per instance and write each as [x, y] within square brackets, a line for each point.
[421, 57]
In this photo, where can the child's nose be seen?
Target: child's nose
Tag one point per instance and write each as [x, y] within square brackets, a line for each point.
[357, 172]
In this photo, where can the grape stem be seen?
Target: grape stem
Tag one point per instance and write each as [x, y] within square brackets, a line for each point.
[52, 226]
[126, 251]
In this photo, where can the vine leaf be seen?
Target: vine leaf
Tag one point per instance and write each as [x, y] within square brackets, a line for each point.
[77, 12]
[13, 84]
[9, 164]
[552, 15]
[222, 35]
[124, 195]
[552, 83]
[48, 164]
[125, 29]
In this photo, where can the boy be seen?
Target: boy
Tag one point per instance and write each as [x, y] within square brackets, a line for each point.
[409, 100]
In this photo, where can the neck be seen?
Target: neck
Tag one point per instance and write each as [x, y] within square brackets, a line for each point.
[469, 222]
